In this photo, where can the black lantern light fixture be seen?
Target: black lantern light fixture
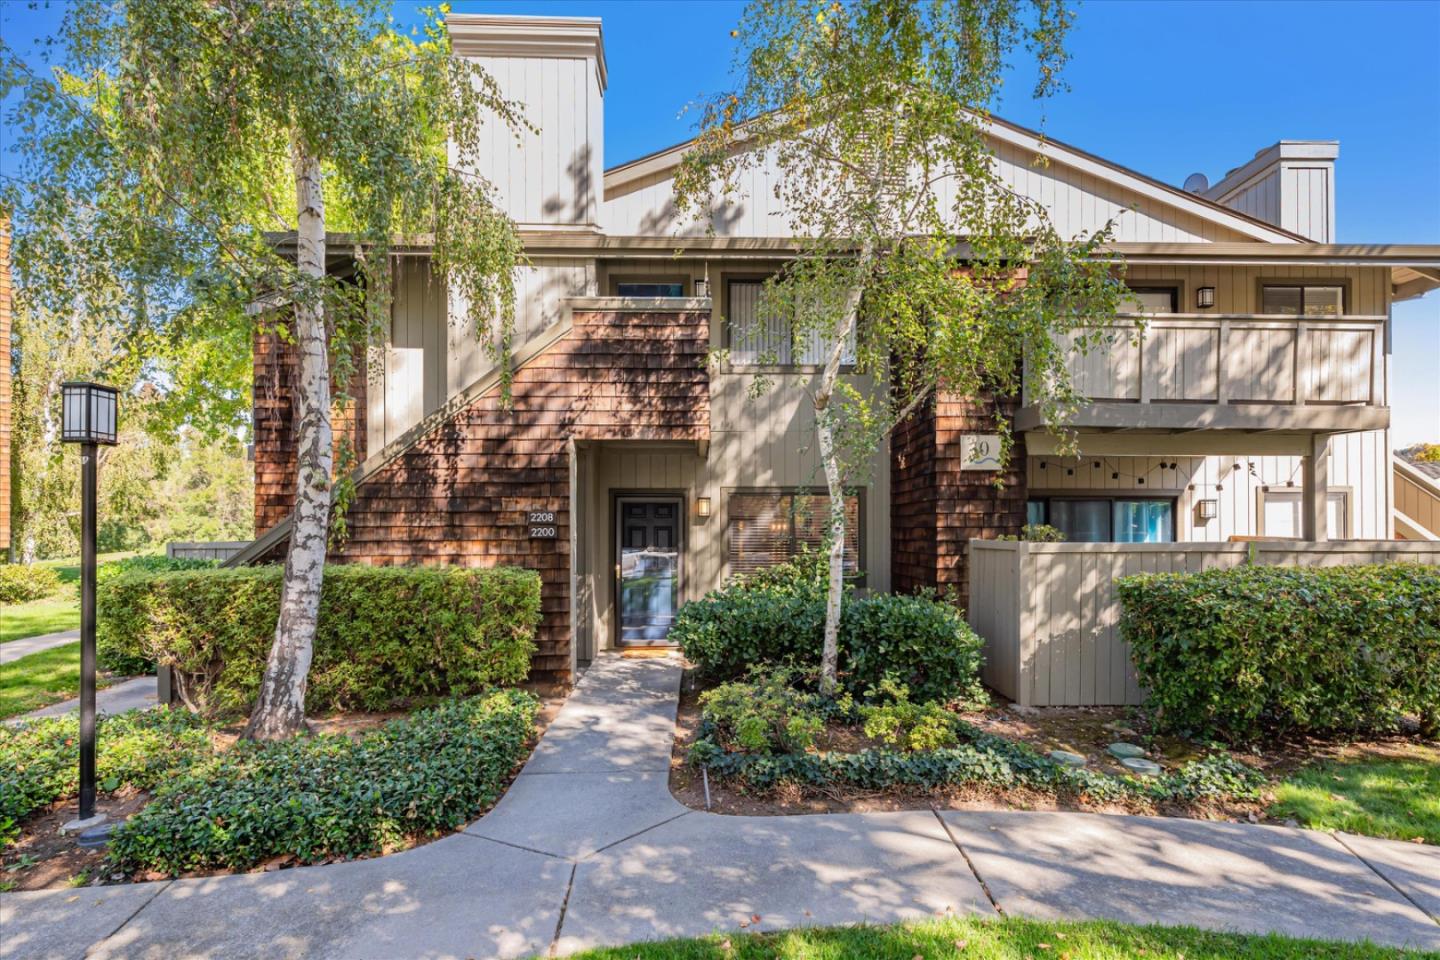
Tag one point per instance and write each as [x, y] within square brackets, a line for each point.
[1205, 297]
[87, 417]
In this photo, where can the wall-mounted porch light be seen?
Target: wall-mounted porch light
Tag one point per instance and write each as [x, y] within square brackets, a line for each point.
[702, 507]
[1205, 297]
[702, 288]
[1207, 509]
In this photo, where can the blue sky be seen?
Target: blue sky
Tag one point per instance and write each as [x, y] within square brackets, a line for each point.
[1167, 88]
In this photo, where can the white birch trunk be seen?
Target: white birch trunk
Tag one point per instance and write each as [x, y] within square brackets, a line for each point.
[834, 481]
[280, 710]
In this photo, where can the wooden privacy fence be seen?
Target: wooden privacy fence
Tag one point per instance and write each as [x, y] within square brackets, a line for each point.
[214, 550]
[1049, 614]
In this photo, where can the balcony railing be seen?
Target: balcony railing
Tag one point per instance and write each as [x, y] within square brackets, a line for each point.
[1230, 371]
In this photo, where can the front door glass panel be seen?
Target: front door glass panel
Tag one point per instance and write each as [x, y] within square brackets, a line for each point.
[649, 571]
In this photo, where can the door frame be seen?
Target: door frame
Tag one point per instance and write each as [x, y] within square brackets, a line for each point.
[617, 497]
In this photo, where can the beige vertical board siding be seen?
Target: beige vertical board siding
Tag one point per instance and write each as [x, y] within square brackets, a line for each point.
[1181, 362]
[1078, 204]
[1237, 289]
[549, 174]
[540, 287]
[1359, 464]
[1417, 497]
[1061, 592]
[1260, 198]
[405, 376]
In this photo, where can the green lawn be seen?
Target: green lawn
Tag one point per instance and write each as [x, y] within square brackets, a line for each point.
[1379, 796]
[1009, 939]
[41, 679]
[60, 611]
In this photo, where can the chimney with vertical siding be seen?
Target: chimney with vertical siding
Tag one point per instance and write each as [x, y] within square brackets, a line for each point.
[554, 68]
[1290, 184]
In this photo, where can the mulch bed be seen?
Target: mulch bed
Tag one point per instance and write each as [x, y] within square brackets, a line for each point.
[42, 859]
[1084, 730]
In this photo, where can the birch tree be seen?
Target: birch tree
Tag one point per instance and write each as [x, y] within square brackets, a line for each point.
[174, 136]
[919, 267]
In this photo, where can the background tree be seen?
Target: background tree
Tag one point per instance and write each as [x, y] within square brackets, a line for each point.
[919, 268]
[153, 156]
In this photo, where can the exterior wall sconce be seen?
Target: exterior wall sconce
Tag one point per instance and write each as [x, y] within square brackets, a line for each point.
[702, 507]
[1207, 509]
[1205, 297]
[702, 288]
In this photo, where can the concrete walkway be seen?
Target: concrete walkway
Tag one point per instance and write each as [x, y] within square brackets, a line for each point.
[136, 693]
[15, 649]
[589, 848]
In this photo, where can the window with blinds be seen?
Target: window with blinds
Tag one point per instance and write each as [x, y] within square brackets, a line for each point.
[757, 339]
[770, 528]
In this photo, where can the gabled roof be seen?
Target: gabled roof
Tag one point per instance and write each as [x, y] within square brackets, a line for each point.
[662, 162]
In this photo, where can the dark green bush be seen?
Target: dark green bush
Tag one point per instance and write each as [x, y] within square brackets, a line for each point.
[1230, 653]
[21, 582]
[150, 563]
[112, 658]
[917, 641]
[320, 797]
[40, 759]
[386, 636]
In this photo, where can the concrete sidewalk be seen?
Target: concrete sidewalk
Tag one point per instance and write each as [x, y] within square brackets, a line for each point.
[15, 649]
[136, 693]
[588, 848]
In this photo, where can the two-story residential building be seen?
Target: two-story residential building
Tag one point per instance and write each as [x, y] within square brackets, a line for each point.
[633, 476]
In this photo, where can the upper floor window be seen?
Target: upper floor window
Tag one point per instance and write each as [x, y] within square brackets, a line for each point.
[757, 339]
[1302, 300]
[1151, 300]
[649, 288]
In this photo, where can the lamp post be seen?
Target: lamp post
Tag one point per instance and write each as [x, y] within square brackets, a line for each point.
[87, 418]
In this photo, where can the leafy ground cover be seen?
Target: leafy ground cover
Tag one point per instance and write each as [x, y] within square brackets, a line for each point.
[1008, 939]
[43, 678]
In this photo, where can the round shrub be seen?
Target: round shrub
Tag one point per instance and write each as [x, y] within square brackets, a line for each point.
[1232, 653]
[916, 641]
[21, 583]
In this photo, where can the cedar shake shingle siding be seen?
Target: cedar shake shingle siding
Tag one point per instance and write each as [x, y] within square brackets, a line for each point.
[935, 507]
[460, 493]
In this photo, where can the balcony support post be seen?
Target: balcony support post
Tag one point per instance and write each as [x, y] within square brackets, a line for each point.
[1315, 490]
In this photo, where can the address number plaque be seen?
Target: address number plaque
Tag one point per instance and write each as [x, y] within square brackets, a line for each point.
[542, 524]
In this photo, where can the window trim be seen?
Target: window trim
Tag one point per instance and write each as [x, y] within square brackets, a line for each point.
[1342, 282]
[616, 280]
[1347, 519]
[861, 510]
[727, 341]
[1175, 288]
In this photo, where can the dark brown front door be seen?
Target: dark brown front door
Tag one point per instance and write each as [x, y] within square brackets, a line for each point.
[648, 568]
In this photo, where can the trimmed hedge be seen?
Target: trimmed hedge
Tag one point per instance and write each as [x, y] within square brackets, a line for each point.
[21, 583]
[317, 798]
[1231, 653]
[110, 658]
[916, 641]
[40, 759]
[386, 636]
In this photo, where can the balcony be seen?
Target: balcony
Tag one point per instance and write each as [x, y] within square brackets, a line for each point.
[1185, 372]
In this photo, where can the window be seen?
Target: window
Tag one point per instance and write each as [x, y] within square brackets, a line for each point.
[756, 339]
[1302, 300]
[769, 528]
[1107, 519]
[1280, 514]
[1151, 300]
[646, 288]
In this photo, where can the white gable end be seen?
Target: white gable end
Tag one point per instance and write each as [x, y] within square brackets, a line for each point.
[1080, 193]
